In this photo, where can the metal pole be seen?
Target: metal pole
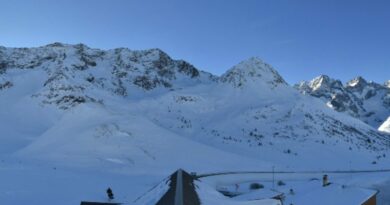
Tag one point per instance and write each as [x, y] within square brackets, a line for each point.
[273, 177]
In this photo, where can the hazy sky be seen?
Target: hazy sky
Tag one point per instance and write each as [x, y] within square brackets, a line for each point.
[301, 39]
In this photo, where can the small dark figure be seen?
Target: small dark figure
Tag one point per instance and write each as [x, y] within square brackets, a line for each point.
[325, 180]
[292, 191]
[237, 186]
[110, 194]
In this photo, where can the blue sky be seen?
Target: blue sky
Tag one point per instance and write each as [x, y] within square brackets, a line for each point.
[301, 39]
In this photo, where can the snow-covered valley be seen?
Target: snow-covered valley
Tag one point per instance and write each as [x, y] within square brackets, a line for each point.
[75, 120]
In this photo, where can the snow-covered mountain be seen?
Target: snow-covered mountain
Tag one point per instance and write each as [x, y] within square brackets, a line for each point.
[72, 104]
[367, 101]
[74, 70]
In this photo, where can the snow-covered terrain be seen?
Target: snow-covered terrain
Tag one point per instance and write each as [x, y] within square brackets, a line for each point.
[70, 109]
[367, 101]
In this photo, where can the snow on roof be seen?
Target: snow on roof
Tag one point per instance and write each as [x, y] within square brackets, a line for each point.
[334, 194]
[210, 196]
[154, 194]
[160, 194]
[257, 194]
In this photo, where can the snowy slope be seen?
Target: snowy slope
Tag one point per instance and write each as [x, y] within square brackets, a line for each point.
[81, 119]
[79, 106]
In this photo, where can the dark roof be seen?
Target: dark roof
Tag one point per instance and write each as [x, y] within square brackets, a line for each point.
[186, 189]
[97, 203]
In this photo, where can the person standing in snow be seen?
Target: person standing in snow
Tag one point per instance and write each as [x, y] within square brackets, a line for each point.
[110, 194]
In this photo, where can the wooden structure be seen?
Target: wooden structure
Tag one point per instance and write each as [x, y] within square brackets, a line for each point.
[371, 200]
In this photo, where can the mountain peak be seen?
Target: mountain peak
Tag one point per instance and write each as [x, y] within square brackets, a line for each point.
[324, 78]
[253, 59]
[357, 82]
[65, 45]
[387, 84]
[159, 55]
[251, 70]
[351, 97]
[324, 82]
[56, 44]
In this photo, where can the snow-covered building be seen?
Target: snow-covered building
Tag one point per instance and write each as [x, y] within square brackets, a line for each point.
[335, 194]
[182, 188]
[259, 195]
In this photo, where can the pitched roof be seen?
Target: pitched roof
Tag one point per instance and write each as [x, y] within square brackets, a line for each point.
[178, 189]
[181, 191]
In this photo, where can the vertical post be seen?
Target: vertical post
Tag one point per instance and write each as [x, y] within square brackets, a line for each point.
[350, 170]
[273, 177]
[350, 166]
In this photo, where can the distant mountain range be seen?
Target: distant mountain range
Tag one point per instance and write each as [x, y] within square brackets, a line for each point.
[367, 101]
[79, 105]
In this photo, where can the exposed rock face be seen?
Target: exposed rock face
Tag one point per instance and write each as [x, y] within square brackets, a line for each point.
[75, 70]
[250, 71]
[368, 101]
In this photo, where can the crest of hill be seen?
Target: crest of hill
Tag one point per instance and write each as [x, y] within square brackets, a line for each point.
[253, 71]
